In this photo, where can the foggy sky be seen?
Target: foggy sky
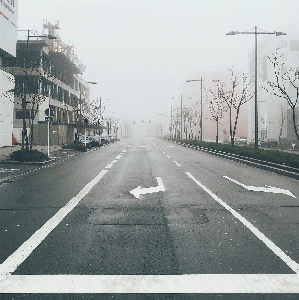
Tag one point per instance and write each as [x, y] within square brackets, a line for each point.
[142, 52]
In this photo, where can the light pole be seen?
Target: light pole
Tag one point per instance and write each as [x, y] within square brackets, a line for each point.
[80, 109]
[255, 32]
[181, 115]
[201, 79]
[24, 99]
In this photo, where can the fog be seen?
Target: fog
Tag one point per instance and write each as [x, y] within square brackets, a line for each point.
[141, 53]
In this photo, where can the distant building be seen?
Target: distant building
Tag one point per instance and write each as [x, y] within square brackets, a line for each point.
[274, 116]
[53, 87]
[8, 38]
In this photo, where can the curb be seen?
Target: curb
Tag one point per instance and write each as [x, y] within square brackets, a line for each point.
[268, 166]
[46, 164]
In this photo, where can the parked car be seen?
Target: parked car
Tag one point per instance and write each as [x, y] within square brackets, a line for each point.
[241, 140]
[85, 140]
[95, 140]
[105, 139]
[269, 143]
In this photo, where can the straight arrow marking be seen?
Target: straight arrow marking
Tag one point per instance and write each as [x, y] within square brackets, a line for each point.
[139, 191]
[266, 189]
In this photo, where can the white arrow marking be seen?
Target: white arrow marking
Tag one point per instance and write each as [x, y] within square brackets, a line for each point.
[139, 191]
[266, 188]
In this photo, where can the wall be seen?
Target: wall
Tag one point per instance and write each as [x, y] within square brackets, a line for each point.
[59, 134]
[6, 108]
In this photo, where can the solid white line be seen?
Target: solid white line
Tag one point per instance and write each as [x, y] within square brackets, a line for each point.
[16, 258]
[109, 166]
[291, 263]
[199, 283]
[177, 163]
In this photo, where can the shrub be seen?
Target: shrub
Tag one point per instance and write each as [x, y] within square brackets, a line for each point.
[274, 156]
[29, 155]
[75, 146]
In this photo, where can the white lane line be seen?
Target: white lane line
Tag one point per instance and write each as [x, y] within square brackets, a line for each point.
[114, 161]
[142, 146]
[16, 258]
[177, 163]
[118, 157]
[291, 263]
[193, 283]
[109, 166]
[170, 146]
[167, 156]
[124, 151]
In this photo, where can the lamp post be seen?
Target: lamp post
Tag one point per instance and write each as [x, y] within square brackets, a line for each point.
[255, 32]
[80, 110]
[201, 79]
[24, 99]
[181, 115]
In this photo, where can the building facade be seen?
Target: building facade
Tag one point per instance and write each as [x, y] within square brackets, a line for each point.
[8, 39]
[274, 113]
[48, 75]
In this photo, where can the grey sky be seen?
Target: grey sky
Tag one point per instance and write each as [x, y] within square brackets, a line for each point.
[142, 52]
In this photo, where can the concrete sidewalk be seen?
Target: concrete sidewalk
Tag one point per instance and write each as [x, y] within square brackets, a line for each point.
[5, 151]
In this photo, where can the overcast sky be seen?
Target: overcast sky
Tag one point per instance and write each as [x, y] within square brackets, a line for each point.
[142, 52]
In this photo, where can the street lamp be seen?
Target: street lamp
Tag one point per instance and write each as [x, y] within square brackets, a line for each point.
[24, 99]
[255, 32]
[80, 102]
[201, 79]
[24, 130]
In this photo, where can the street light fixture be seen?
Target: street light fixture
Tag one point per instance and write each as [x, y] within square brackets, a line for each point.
[255, 32]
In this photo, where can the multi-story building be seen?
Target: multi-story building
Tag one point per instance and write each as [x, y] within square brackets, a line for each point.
[8, 38]
[48, 75]
[274, 114]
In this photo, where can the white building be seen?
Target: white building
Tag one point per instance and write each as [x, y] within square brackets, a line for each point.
[8, 39]
[274, 120]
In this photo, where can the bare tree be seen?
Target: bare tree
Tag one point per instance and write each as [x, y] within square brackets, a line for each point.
[234, 99]
[217, 105]
[285, 85]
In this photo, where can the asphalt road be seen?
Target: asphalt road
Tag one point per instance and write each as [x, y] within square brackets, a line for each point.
[202, 224]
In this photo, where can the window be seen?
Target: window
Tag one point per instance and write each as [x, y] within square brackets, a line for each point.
[284, 44]
[294, 45]
[283, 57]
[19, 114]
[283, 70]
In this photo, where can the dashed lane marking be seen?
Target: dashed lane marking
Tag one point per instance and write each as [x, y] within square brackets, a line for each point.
[109, 166]
[177, 163]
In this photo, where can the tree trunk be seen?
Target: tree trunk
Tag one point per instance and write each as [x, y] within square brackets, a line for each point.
[294, 122]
